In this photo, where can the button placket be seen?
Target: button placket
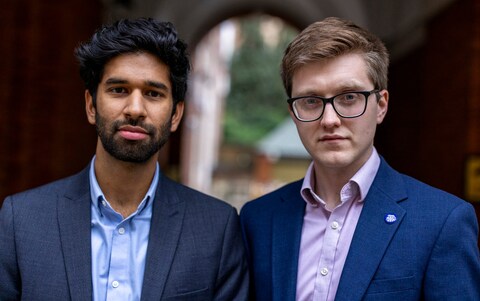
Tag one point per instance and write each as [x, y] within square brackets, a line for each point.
[119, 262]
[327, 260]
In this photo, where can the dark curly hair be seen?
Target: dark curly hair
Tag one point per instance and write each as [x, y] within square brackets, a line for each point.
[131, 36]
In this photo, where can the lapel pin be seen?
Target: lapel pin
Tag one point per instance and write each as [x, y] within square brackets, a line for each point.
[390, 218]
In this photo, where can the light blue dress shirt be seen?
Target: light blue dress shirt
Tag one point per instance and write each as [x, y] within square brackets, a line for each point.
[119, 246]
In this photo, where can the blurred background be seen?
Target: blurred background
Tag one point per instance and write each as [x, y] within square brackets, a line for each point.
[236, 140]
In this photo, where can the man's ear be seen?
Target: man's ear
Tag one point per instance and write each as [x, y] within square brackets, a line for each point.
[89, 107]
[382, 106]
[177, 117]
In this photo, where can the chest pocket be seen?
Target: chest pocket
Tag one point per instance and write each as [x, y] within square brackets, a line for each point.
[391, 285]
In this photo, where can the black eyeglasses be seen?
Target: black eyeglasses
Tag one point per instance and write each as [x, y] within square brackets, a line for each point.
[346, 105]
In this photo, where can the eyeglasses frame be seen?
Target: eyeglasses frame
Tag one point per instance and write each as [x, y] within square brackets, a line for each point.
[330, 101]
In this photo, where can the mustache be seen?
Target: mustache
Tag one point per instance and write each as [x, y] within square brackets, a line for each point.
[150, 129]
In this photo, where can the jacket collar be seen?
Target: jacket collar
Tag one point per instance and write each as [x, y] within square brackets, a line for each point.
[74, 214]
[287, 224]
[380, 218]
[165, 229]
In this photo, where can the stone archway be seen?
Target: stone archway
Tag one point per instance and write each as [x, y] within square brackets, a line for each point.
[398, 23]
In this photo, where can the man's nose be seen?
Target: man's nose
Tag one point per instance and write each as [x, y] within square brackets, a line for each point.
[135, 106]
[330, 118]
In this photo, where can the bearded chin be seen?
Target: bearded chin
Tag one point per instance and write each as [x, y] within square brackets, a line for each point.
[138, 151]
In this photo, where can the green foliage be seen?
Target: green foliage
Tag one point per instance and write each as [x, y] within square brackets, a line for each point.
[257, 101]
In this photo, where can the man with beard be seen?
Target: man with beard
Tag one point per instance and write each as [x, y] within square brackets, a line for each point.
[120, 230]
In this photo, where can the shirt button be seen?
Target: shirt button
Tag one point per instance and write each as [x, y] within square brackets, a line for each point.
[324, 272]
[121, 230]
[115, 284]
[335, 225]
[104, 203]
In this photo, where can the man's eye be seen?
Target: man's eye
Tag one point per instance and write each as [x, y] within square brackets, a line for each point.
[311, 101]
[117, 90]
[348, 98]
[154, 94]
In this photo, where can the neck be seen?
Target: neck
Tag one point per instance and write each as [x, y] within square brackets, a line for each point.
[329, 181]
[124, 184]
[328, 184]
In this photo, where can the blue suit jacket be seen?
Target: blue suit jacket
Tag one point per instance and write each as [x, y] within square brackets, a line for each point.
[195, 249]
[429, 253]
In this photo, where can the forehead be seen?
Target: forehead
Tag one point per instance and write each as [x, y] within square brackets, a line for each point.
[348, 71]
[140, 66]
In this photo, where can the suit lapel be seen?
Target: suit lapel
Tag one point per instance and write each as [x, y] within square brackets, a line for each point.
[74, 217]
[287, 224]
[372, 234]
[165, 229]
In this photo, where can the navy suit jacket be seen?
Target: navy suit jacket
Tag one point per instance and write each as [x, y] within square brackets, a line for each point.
[195, 249]
[429, 253]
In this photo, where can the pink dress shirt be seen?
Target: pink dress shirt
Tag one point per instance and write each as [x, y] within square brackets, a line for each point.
[327, 234]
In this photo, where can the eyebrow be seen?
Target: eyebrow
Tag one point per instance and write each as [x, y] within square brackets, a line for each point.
[350, 85]
[115, 81]
[157, 85]
[150, 83]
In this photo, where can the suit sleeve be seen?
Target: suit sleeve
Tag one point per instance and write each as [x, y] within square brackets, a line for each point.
[232, 280]
[453, 271]
[9, 275]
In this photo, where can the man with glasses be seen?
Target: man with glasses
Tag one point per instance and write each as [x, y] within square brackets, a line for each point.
[354, 228]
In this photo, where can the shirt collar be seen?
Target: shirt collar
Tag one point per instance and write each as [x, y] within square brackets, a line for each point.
[360, 182]
[366, 174]
[97, 195]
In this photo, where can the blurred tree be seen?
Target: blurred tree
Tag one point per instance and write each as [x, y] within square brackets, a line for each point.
[257, 101]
